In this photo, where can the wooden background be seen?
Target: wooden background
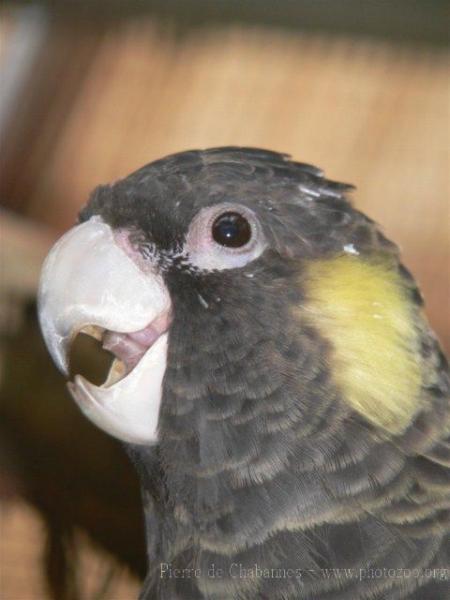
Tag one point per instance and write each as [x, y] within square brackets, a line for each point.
[99, 103]
[367, 112]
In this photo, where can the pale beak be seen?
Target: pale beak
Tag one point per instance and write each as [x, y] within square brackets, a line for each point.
[90, 282]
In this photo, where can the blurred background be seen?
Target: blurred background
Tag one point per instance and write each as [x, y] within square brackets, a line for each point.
[93, 90]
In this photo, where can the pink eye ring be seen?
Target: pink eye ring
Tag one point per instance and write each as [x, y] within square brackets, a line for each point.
[224, 236]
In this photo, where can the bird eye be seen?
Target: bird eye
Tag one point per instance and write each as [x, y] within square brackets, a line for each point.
[231, 229]
[224, 236]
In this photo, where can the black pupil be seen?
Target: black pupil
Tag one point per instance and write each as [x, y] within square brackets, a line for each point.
[232, 230]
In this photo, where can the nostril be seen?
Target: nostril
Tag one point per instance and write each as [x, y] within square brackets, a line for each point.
[89, 359]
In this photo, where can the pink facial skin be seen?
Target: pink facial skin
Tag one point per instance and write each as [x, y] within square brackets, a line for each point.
[122, 240]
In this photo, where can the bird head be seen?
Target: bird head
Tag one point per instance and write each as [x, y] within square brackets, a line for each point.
[237, 289]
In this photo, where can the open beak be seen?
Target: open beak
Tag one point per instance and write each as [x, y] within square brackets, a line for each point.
[91, 283]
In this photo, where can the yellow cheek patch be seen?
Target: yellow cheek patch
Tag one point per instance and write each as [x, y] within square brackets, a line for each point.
[361, 307]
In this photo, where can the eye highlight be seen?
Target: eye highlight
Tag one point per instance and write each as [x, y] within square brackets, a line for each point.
[232, 230]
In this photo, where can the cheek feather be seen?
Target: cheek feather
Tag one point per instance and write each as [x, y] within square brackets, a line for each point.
[364, 311]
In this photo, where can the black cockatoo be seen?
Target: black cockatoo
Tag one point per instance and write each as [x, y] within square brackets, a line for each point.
[275, 383]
